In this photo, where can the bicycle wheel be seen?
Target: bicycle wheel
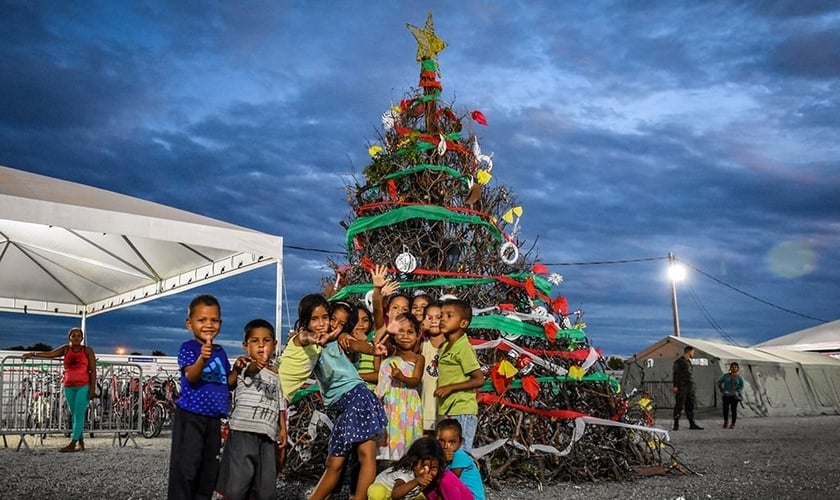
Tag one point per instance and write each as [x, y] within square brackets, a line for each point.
[151, 422]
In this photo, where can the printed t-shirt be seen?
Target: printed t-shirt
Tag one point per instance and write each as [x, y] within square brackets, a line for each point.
[210, 395]
[257, 403]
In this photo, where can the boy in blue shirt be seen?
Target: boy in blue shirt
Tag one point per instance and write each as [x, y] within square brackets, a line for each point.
[206, 379]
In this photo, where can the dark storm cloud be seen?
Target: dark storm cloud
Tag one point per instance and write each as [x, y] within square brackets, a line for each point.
[626, 131]
[809, 55]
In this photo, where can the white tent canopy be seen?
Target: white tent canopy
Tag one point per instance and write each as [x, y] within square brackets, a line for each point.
[67, 249]
[820, 338]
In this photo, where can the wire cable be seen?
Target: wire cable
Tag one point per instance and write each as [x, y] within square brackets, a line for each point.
[601, 262]
[714, 324]
[727, 285]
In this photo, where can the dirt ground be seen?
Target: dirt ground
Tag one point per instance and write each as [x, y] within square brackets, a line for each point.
[763, 458]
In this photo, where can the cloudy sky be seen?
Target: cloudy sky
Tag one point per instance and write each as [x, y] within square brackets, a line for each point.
[711, 131]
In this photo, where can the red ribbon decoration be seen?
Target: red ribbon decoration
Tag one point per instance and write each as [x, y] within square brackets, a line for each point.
[551, 330]
[500, 382]
[392, 189]
[576, 355]
[529, 288]
[488, 399]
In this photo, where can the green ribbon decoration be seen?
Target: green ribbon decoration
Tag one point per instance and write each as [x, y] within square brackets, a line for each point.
[301, 393]
[427, 166]
[488, 385]
[428, 65]
[431, 212]
[514, 327]
[540, 283]
[363, 288]
[559, 379]
[426, 98]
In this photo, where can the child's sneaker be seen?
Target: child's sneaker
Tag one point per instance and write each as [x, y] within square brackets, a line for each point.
[725, 425]
[732, 426]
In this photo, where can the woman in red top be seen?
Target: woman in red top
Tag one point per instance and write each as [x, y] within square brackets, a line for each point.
[79, 381]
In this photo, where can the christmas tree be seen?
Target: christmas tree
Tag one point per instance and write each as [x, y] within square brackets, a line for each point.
[429, 207]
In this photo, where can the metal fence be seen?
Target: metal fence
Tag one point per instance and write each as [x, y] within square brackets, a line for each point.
[32, 400]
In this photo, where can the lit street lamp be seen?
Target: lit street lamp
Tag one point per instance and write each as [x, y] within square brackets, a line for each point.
[676, 272]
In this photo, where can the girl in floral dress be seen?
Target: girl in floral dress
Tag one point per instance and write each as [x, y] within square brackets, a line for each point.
[400, 376]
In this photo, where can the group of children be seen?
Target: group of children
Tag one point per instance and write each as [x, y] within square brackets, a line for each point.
[401, 380]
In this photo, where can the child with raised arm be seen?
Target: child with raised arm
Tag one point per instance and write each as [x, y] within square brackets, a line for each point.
[365, 362]
[257, 422]
[400, 376]
[206, 379]
[312, 349]
[459, 373]
[429, 349]
[414, 476]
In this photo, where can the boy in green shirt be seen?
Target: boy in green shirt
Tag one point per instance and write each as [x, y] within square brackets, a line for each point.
[459, 373]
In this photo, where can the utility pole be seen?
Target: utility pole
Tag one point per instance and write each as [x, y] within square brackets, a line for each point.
[674, 308]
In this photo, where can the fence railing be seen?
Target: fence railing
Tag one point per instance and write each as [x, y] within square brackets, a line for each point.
[32, 400]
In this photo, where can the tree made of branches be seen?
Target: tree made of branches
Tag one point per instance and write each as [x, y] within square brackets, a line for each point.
[428, 206]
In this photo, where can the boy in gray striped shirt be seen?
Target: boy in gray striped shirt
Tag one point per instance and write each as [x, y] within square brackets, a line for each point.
[257, 423]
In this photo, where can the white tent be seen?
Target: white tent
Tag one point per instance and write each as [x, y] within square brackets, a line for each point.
[820, 338]
[777, 382]
[67, 249]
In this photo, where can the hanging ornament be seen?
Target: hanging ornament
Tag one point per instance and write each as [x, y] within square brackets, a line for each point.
[560, 305]
[508, 216]
[474, 193]
[483, 177]
[540, 314]
[441, 147]
[576, 372]
[555, 279]
[539, 269]
[405, 262]
[388, 119]
[524, 364]
[509, 253]
[484, 161]
[374, 150]
[369, 300]
[479, 117]
[531, 386]
[476, 148]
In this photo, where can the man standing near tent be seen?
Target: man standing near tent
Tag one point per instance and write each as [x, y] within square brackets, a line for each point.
[684, 388]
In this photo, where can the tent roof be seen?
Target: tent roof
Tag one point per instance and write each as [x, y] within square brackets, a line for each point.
[802, 357]
[730, 353]
[824, 337]
[717, 350]
[73, 250]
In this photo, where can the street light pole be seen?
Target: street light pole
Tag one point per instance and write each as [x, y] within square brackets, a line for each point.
[674, 307]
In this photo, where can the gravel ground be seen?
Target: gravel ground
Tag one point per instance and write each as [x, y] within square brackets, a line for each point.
[764, 458]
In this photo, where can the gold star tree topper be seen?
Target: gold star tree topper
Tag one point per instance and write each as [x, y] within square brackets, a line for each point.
[428, 44]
